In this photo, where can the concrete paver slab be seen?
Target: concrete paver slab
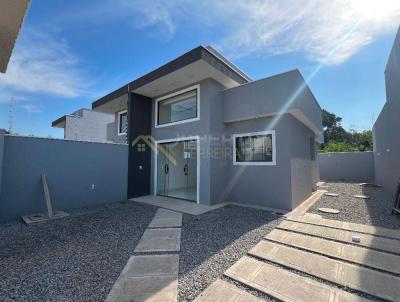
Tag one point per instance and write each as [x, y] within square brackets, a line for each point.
[360, 228]
[369, 281]
[284, 285]
[166, 219]
[149, 278]
[367, 240]
[362, 196]
[221, 291]
[160, 240]
[329, 210]
[352, 253]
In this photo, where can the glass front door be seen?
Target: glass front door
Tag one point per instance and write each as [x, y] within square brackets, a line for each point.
[177, 170]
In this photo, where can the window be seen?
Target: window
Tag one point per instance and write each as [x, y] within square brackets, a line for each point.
[122, 122]
[256, 148]
[177, 108]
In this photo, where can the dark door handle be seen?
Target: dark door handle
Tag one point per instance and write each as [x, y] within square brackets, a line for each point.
[185, 169]
[166, 168]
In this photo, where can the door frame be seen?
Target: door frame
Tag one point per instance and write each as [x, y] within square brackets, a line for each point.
[174, 140]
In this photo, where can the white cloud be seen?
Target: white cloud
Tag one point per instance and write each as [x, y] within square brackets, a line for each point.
[42, 63]
[324, 30]
[270, 27]
[31, 108]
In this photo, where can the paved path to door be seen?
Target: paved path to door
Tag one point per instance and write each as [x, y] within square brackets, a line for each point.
[151, 274]
[311, 259]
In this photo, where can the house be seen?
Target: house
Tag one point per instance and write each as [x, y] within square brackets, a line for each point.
[95, 126]
[386, 137]
[12, 14]
[200, 129]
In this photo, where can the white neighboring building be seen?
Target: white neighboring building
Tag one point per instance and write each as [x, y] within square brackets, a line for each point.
[94, 126]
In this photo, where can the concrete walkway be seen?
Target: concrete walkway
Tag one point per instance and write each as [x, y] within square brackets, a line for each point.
[305, 256]
[352, 253]
[345, 236]
[151, 275]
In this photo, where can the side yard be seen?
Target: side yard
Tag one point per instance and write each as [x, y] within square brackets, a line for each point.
[77, 258]
[376, 210]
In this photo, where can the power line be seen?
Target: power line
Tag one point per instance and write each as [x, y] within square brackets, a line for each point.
[10, 115]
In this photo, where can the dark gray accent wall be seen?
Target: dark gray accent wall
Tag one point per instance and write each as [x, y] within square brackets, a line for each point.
[347, 166]
[139, 123]
[71, 168]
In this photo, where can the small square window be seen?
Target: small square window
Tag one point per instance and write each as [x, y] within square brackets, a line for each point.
[254, 148]
[122, 122]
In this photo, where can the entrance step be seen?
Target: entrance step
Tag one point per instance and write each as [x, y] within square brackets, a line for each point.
[150, 278]
[284, 285]
[351, 253]
[349, 226]
[367, 240]
[221, 291]
[166, 219]
[177, 205]
[160, 240]
[365, 280]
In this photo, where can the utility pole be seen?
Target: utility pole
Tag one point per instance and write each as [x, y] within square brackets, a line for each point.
[10, 115]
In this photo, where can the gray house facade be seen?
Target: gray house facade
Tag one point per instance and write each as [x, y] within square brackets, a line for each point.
[385, 130]
[199, 129]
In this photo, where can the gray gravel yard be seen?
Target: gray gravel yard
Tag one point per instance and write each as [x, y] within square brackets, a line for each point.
[374, 211]
[77, 258]
[214, 241]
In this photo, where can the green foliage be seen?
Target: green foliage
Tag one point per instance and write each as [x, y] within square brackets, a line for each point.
[338, 147]
[337, 139]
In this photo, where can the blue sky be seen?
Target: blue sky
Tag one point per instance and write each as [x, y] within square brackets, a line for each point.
[71, 52]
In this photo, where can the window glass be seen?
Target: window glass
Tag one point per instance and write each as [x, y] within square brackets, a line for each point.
[123, 123]
[257, 148]
[178, 108]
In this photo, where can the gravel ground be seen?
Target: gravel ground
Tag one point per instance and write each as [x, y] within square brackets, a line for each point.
[77, 258]
[214, 241]
[374, 211]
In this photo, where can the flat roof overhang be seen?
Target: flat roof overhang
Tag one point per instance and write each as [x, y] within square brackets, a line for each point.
[60, 122]
[12, 13]
[198, 64]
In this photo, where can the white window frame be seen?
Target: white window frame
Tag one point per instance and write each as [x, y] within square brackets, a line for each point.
[119, 122]
[255, 163]
[157, 100]
[173, 140]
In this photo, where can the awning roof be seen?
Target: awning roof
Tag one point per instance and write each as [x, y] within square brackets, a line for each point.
[12, 13]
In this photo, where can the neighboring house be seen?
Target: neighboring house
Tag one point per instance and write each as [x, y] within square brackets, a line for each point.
[12, 13]
[94, 126]
[219, 136]
[385, 130]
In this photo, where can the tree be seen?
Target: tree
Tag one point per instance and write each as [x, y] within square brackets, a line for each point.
[333, 130]
[337, 139]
